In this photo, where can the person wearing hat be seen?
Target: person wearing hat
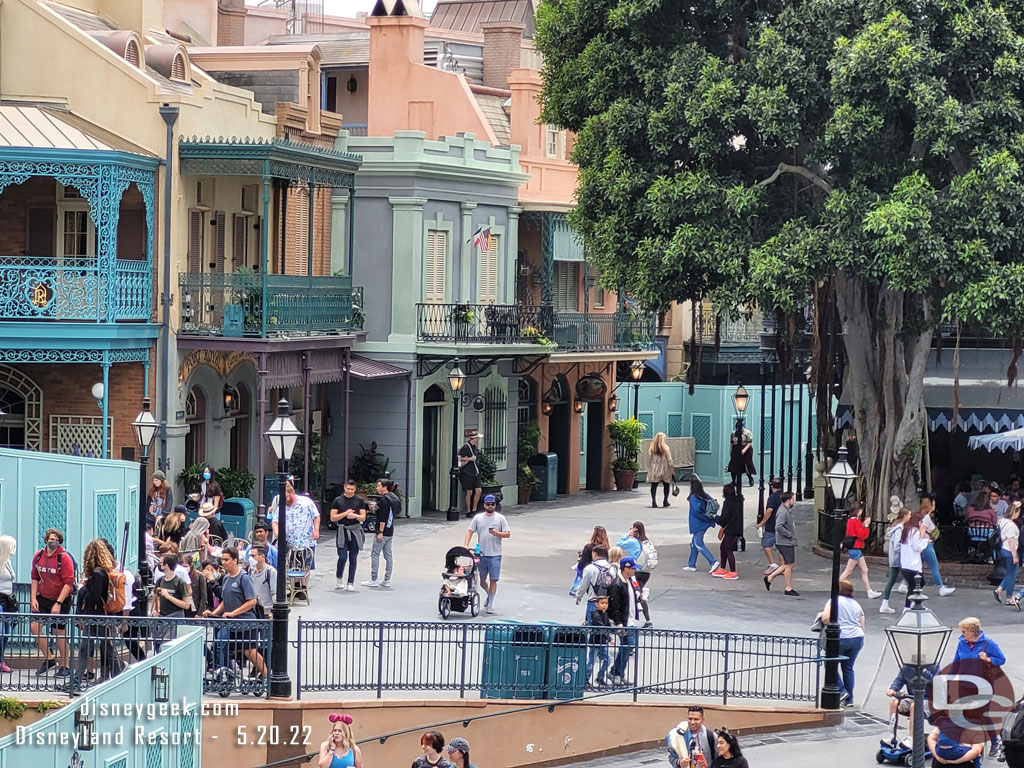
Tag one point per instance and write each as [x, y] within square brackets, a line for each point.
[161, 497]
[458, 753]
[209, 513]
[490, 527]
[624, 612]
[469, 471]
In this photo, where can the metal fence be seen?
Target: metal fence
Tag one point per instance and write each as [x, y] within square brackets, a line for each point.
[68, 653]
[543, 661]
[621, 331]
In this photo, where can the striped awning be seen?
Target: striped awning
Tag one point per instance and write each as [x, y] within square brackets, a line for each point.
[366, 369]
[37, 127]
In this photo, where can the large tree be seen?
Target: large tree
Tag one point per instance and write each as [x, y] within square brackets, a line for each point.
[769, 151]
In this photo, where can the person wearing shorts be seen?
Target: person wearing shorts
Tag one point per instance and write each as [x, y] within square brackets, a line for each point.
[490, 527]
[767, 523]
[53, 581]
[469, 471]
[785, 543]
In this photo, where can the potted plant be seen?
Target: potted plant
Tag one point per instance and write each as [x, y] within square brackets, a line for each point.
[626, 436]
[488, 472]
[527, 480]
[235, 483]
[526, 449]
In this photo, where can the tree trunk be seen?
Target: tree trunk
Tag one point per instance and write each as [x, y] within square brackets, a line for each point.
[886, 383]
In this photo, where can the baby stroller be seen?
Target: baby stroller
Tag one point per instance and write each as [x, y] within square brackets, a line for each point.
[458, 585]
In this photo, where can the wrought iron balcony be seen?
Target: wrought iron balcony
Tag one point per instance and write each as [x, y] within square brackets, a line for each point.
[62, 289]
[619, 332]
[484, 323]
[740, 330]
[262, 306]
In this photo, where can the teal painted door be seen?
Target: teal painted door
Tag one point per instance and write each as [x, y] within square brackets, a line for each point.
[583, 450]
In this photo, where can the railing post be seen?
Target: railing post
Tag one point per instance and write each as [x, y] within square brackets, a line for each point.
[462, 671]
[636, 663]
[298, 659]
[725, 673]
[380, 660]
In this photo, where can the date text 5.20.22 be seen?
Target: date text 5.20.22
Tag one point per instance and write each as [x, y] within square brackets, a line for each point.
[273, 735]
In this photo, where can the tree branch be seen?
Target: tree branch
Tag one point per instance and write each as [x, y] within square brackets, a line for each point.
[799, 170]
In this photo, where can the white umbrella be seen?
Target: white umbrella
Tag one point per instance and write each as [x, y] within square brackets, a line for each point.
[1001, 441]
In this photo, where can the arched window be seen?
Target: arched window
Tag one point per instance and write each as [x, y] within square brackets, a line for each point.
[12, 419]
[495, 418]
[179, 71]
[240, 430]
[131, 53]
[195, 418]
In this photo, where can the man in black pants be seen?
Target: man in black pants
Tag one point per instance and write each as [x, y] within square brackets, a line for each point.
[349, 512]
[469, 472]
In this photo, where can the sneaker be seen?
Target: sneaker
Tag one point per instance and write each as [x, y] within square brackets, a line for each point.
[946, 591]
[719, 572]
[600, 683]
[884, 607]
[872, 595]
[995, 594]
[902, 587]
[4, 668]
[767, 584]
[730, 575]
[665, 504]
[648, 625]
[773, 567]
[714, 567]
[63, 672]
[844, 700]
[371, 583]
[488, 609]
[339, 583]
[386, 584]
[349, 587]
[792, 593]
[689, 568]
[47, 666]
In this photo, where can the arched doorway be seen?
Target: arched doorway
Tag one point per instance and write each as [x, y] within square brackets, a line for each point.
[560, 427]
[431, 481]
[242, 414]
[21, 405]
[195, 418]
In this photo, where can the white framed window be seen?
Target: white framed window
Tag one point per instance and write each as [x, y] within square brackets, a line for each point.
[488, 272]
[434, 275]
[555, 142]
[76, 234]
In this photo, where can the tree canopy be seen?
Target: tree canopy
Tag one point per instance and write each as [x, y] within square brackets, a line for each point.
[745, 151]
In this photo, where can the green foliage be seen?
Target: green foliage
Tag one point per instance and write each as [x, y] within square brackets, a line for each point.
[369, 466]
[45, 706]
[235, 483]
[11, 709]
[526, 477]
[317, 463]
[190, 477]
[526, 445]
[626, 438]
[488, 469]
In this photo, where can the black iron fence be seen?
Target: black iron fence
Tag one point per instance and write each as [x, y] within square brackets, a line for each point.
[68, 653]
[485, 323]
[621, 331]
[549, 661]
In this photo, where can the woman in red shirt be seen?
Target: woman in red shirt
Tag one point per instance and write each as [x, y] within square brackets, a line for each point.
[859, 529]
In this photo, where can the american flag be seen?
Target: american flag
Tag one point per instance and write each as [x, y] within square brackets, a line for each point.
[482, 238]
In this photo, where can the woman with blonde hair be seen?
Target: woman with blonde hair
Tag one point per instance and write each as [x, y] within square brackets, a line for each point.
[7, 602]
[660, 469]
[340, 750]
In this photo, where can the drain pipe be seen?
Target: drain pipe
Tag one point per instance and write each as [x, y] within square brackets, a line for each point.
[170, 116]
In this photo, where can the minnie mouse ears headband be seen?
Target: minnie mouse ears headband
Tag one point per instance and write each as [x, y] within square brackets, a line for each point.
[334, 717]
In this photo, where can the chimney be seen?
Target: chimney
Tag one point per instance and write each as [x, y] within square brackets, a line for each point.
[231, 22]
[503, 43]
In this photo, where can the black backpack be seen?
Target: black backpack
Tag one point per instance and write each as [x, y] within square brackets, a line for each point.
[604, 581]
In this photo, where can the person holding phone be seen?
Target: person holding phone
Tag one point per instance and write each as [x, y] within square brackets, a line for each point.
[490, 527]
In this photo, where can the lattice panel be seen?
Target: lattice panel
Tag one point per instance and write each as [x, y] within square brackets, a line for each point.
[52, 506]
[106, 517]
[187, 758]
[121, 762]
[78, 435]
[674, 425]
[647, 419]
[153, 756]
[700, 428]
[766, 435]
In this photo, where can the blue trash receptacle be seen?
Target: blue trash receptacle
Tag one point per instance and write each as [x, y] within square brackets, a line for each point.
[238, 516]
[515, 657]
[567, 661]
[545, 466]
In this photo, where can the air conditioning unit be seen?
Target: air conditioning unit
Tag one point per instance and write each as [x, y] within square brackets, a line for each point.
[204, 194]
[250, 199]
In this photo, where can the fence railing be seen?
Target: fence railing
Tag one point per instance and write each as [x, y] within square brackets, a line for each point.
[622, 331]
[739, 330]
[88, 649]
[60, 289]
[249, 304]
[538, 661]
[485, 323]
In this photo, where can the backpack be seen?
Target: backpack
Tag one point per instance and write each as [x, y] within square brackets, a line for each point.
[396, 504]
[116, 597]
[711, 508]
[604, 581]
[60, 566]
[649, 556]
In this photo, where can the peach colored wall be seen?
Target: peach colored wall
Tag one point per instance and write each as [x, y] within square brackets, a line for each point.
[192, 17]
[352, 106]
[406, 95]
[535, 737]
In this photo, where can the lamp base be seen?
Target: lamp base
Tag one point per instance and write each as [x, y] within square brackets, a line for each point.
[452, 515]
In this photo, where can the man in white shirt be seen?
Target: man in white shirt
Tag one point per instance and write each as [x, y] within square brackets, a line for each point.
[596, 576]
[490, 527]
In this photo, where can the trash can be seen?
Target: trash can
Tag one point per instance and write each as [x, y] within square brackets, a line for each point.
[238, 516]
[515, 656]
[567, 661]
[545, 466]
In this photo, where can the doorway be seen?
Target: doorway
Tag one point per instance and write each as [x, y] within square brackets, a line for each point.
[433, 410]
[594, 445]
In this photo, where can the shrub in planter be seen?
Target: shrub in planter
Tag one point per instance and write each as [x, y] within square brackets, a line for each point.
[626, 437]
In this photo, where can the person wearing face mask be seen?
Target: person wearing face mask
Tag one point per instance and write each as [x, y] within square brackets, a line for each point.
[210, 492]
[53, 581]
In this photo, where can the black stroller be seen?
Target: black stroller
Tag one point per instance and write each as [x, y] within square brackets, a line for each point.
[458, 585]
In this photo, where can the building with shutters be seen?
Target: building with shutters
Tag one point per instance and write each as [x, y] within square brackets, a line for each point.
[236, 248]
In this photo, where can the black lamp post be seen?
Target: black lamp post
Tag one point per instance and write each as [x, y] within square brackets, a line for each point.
[636, 370]
[918, 640]
[760, 473]
[283, 434]
[740, 399]
[808, 457]
[840, 477]
[456, 380]
[145, 427]
[799, 428]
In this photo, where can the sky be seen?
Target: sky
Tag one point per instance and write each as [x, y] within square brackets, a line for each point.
[352, 7]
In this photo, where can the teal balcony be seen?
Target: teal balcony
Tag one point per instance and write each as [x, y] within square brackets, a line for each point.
[618, 332]
[59, 289]
[251, 305]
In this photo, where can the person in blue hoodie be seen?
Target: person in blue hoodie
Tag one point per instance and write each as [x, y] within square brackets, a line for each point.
[700, 522]
[905, 679]
[974, 644]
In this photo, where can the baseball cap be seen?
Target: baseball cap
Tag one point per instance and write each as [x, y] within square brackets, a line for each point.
[490, 498]
[458, 743]
[627, 562]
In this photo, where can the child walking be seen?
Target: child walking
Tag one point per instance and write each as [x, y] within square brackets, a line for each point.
[599, 636]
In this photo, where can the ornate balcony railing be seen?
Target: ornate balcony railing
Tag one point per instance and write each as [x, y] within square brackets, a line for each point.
[253, 305]
[484, 323]
[739, 330]
[620, 332]
[59, 289]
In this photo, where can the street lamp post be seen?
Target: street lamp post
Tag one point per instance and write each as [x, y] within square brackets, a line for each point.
[145, 427]
[799, 455]
[760, 473]
[918, 640]
[792, 423]
[636, 370]
[840, 477]
[456, 380]
[808, 458]
[283, 434]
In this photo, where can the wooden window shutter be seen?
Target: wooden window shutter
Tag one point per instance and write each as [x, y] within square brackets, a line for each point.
[565, 286]
[489, 273]
[240, 237]
[219, 240]
[195, 241]
[131, 234]
[434, 277]
[42, 231]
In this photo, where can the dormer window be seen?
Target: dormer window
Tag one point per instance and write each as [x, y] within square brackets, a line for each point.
[179, 70]
[171, 61]
[131, 53]
[125, 43]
